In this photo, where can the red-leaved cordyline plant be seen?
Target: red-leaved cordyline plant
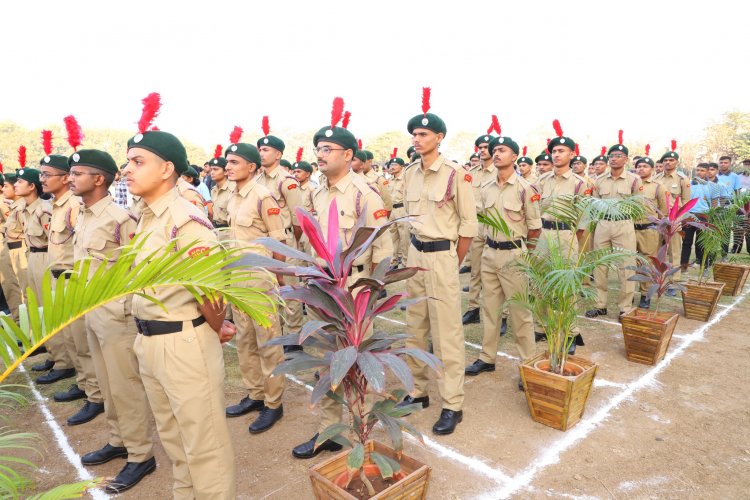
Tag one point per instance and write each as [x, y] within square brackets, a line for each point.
[351, 362]
[656, 269]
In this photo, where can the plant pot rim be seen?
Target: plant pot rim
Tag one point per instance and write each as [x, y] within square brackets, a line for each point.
[567, 363]
[651, 316]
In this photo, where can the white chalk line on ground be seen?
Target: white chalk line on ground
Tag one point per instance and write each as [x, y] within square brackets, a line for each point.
[62, 440]
[551, 453]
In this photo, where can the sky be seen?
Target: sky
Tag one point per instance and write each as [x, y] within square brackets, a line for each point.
[657, 69]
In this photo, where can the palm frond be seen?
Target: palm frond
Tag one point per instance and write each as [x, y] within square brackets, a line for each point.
[13, 481]
[68, 491]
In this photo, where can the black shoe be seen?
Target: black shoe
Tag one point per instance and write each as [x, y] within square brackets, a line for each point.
[383, 294]
[292, 348]
[104, 455]
[466, 289]
[503, 327]
[645, 302]
[71, 394]
[266, 419]
[130, 475]
[39, 350]
[447, 422]
[471, 316]
[593, 313]
[246, 405]
[540, 337]
[408, 400]
[54, 375]
[464, 270]
[478, 367]
[308, 449]
[520, 385]
[43, 367]
[579, 340]
[671, 292]
[403, 308]
[87, 413]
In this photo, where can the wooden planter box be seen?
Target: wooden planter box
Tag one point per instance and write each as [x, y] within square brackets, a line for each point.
[699, 301]
[555, 400]
[647, 335]
[412, 487]
[733, 276]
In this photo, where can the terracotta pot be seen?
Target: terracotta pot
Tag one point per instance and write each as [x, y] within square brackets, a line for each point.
[647, 335]
[371, 470]
[732, 275]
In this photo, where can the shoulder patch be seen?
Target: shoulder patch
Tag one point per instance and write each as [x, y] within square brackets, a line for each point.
[274, 211]
[536, 197]
[640, 188]
[379, 214]
[198, 251]
[467, 177]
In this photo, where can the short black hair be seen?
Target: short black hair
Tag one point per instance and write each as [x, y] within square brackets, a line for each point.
[702, 165]
[725, 157]
[713, 164]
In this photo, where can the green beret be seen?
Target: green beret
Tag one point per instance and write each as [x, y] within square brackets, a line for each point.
[543, 156]
[94, 158]
[503, 141]
[2, 178]
[415, 157]
[398, 160]
[59, 162]
[30, 175]
[336, 135]
[427, 121]
[410, 152]
[361, 156]
[646, 160]
[11, 177]
[618, 147]
[524, 159]
[192, 172]
[482, 139]
[562, 141]
[218, 162]
[368, 154]
[285, 163]
[581, 159]
[600, 158]
[164, 145]
[302, 165]
[244, 150]
[669, 154]
[271, 141]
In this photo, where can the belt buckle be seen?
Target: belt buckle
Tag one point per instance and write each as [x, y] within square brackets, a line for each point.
[142, 327]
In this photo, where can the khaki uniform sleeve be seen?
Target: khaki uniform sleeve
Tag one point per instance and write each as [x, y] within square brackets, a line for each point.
[661, 199]
[293, 196]
[468, 227]
[684, 191]
[533, 210]
[385, 193]
[271, 215]
[376, 216]
[636, 185]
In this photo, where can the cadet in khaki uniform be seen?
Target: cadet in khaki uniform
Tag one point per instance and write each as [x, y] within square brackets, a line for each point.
[600, 164]
[101, 229]
[399, 231]
[335, 147]
[677, 185]
[486, 171]
[13, 233]
[381, 182]
[179, 350]
[221, 193]
[647, 238]
[526, 168]
[65, 210]
[440, 198]
[302, 171]
[253, 213]
[8, 278]
[618, 183]
[518, 203]
[188, 191]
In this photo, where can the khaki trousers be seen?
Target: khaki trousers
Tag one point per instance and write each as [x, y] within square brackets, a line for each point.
[292, 317]
[20, 263]
[258, 362]
[111, 333]
[183, 374]
[400, 236]
[568, 242]
[440, 318]
[674, 254]
[9, 281]
[475, 280]
[647, 244]
[500, 282]
[77, 347]
[615, 234]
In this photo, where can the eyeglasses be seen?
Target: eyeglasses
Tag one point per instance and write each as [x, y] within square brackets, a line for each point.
[75, 173]
[325, 150]
[47, 175]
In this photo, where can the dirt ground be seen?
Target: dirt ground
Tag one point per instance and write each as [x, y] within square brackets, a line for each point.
[677, 430]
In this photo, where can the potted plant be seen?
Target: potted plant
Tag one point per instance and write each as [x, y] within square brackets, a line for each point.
[733, 274]
[647, 333]
[351, 362]
[557, 384]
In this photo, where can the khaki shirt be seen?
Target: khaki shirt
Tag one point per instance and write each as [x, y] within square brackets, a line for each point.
[100, 232]
[4, 214]
[221, 196]
[170, 217]
[479, 177]
[517, 203]
[36, 218]
[61, 230]
[654, 193]
[307, 192]
[441, 200]
[285, 190]
[531, 177]
[398, 187]
[676, 184]
[13, 228]
[383, 188]
[254, 213]
[189, 192]
[550, 186]
[354, 198]
[608, 187]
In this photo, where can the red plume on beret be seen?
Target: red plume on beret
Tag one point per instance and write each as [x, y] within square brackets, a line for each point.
[546, 150]
[604, 151]
[217, 151]
[674, 144]
[1, 168]
[154, 129]
[648, 149]
[235, 135]
[359, 144]
[345, 121]
[299, 155]
[496, 125]
[558, 128]
[578, 151]
[75, 134]
[426, 92]
[151, 106]
[22, 156]
[619, 137]
[47, 141]
[524, 151]
[395, 153]
[476, 149]
[265, 126]
[337, 111]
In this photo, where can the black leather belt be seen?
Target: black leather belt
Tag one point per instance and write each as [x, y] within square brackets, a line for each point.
[641, 227]
[148, 327]
[431, 246]
[57, 272]
[219, 225]
[503, 245]
[38, 250]
[557, 226]
[398, 205]
[354, 269]
[14, 245]
[289, 230]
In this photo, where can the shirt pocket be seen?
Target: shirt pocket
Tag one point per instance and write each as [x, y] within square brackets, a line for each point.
[413, 197]
[623, 188]
[513, 210]
[346, 227]
[605, 191]
[35, 229]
